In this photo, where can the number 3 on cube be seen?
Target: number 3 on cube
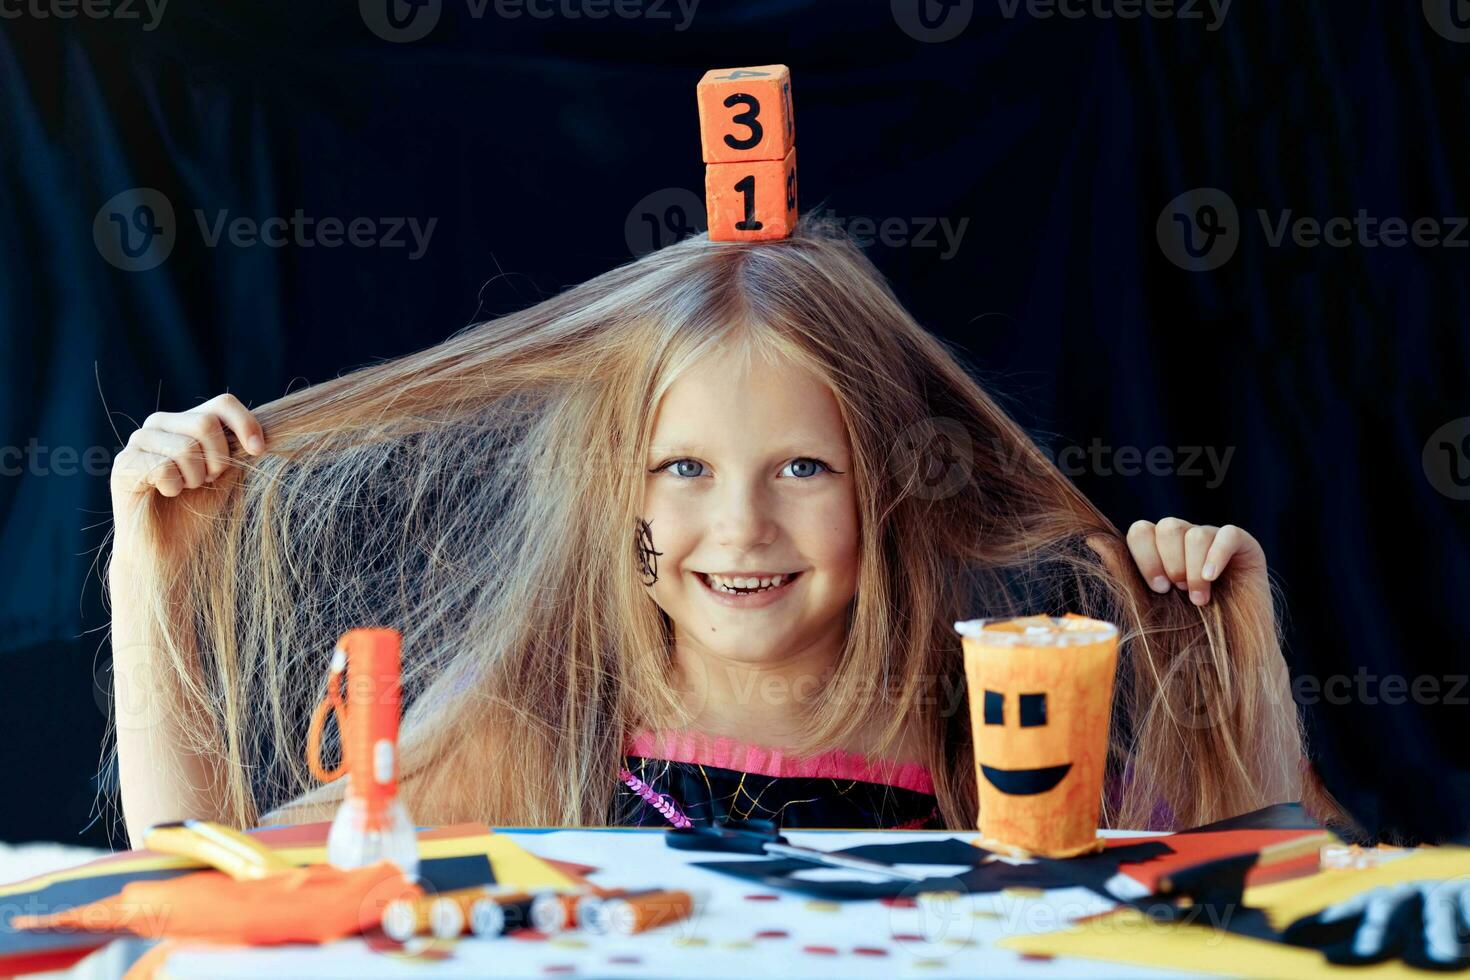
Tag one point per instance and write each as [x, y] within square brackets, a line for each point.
[748, 137]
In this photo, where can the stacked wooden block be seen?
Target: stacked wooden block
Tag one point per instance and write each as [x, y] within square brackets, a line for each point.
[748, 136]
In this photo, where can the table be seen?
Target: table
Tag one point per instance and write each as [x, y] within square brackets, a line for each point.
[732, 934]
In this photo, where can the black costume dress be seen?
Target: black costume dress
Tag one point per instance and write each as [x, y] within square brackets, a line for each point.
[683, 778]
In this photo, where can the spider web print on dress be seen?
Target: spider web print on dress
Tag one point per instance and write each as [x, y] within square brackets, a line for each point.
[702, 795]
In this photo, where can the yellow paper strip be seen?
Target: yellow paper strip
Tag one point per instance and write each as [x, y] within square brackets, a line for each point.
[512, 863]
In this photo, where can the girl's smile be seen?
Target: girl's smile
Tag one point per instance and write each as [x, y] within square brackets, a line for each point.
[737, 592]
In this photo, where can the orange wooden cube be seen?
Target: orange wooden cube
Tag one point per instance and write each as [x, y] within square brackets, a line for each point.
[751, 201]
[745, 114]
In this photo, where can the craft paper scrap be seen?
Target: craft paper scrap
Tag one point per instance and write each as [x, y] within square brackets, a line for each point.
[1129, 936]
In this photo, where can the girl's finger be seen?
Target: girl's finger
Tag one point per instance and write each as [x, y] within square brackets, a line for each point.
[1169, 538]
[159, 472]
[1146, 555]
[1230, 541]
[1197, 541]
[184, 451]
[240, 420]
[205, 427]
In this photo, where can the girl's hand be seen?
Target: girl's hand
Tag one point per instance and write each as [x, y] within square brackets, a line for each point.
[178, 451]
[1191, 556]
[171, 453]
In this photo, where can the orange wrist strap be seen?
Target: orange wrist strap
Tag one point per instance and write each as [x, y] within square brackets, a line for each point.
[333, 700]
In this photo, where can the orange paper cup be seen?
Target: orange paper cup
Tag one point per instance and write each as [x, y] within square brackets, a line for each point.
[1041, 695]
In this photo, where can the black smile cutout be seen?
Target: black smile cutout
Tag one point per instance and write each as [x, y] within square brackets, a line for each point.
[1025, 782]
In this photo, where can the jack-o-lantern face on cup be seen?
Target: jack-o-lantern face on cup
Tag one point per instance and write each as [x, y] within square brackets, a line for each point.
[1041, 694]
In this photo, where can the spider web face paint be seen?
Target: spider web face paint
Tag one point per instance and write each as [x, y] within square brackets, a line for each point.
[647, 557]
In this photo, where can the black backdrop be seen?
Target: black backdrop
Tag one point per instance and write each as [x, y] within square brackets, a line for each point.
[536, 136]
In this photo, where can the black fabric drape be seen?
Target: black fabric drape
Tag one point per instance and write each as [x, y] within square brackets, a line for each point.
[529, 141]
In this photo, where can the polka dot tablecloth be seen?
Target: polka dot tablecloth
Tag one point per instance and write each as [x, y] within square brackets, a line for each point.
[737, 930]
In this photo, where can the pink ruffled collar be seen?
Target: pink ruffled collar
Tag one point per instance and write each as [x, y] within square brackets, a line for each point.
[677, 745]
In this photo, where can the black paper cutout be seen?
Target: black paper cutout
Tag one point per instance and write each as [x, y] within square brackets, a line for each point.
[995, 708]
[1033, 710]
[1403, 937]
[1025, 782]
[1090, 871]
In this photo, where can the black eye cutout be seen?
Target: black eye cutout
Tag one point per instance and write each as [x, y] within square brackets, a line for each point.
[994, 708]
[1033, 710]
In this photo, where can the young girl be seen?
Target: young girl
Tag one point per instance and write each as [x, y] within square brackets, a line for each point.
[568, 512]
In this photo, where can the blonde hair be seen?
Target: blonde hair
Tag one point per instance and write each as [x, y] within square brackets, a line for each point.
[481, 496]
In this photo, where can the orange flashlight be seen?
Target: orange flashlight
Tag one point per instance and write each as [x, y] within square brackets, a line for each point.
[371, 824]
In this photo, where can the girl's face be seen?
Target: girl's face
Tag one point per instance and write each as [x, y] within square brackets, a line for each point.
[744, 487]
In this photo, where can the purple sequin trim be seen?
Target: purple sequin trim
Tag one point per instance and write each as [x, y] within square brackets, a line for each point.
[658, 801]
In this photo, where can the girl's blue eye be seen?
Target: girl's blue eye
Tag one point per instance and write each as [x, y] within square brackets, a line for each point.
[812, 463]
[809, 464]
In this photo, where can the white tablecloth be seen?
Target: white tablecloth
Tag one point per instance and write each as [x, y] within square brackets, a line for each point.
[850, 939]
